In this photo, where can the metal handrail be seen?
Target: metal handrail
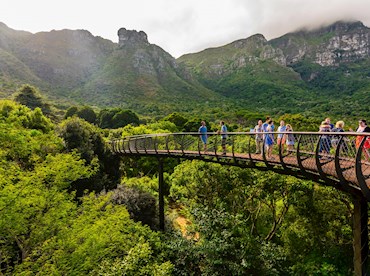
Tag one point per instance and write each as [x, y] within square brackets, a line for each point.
[345, 165]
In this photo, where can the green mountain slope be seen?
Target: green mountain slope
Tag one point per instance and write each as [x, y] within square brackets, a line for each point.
[142, 73]
[309, 71]
[78, 67]
[323, 70]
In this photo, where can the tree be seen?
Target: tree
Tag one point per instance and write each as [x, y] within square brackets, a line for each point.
[98, 238]
[86, 139]
[116, 118]
[140, 205]
[71, 111]
[178, 119]
[87, 113]
[30, 96]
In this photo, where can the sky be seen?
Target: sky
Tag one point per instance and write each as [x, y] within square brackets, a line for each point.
[181, 26]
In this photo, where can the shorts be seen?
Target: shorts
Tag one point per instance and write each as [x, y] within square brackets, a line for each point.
[223, 141]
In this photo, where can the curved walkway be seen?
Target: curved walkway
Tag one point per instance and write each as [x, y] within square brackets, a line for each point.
[335, 159]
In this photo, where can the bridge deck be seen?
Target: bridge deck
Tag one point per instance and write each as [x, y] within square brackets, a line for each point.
[346, 166]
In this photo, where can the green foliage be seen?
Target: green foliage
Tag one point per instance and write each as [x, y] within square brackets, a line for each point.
[29, 96]
[116, 118]
[140, 205]
[71, 111]
[284, 225]
[178, 119]
[86, 139]
[97, 232]
[87, 113]
[136, 262]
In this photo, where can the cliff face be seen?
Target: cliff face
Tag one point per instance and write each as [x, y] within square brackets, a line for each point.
[341, 42]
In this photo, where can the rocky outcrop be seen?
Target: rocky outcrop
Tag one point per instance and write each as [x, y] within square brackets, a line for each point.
[131, 38]
[344, 48]
[276, 54]
[341, 42]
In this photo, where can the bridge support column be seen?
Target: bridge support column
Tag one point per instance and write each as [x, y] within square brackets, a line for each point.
[360, 236]
[160, 194]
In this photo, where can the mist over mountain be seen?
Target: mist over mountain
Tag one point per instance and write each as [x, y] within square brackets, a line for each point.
[294, 72]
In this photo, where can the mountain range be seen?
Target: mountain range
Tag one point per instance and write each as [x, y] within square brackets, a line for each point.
[321, 70]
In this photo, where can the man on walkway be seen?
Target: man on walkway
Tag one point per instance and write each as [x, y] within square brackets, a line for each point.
[223, 132]
[203, 132]
[259, 137]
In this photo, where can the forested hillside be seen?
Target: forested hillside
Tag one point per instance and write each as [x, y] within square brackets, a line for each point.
[314, 71]
[322, 71]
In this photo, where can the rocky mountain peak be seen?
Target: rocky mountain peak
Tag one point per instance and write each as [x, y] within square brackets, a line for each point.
[345, 27]
[131, 37]
[257, 40]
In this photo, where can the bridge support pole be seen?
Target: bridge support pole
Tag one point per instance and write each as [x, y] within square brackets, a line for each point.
[360, 236]
[160, 194]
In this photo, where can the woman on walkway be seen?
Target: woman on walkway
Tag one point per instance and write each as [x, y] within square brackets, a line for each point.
[362, 127]
[269, 139]
[289, 138]
[325, 143]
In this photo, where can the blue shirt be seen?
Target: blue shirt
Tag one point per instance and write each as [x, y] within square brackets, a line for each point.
[223, 130]
[281, 129]
[203, 129]
[264, 127]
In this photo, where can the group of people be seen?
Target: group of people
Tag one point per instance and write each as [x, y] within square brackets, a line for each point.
[264, 130]
[222, 131]
[327, 141]
[265, 136]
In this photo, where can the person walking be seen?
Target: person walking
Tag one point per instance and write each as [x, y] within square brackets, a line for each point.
[289, 138]
[259, 136]
[269, 139]
[223, 132]
[325, 142]
[280, 136]
[339, 127]
[327, 120]
[203, 134]
[363, 127]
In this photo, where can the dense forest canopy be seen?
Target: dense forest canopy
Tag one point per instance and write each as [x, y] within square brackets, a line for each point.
[68, 206]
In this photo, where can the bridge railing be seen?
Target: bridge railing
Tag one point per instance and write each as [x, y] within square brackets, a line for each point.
[342, 157]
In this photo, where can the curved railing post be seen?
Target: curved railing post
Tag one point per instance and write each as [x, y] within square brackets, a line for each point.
[299, 161]
[359, 173]
[156, 145]
[129, 145]
[281, 157]
[249, 149]
[233, 148]
[199, 143]
[167, 148]
[338, 168]
[318, 156]
[215, 143]
[144, 143]
[116, 144]
[182, 144]
[121, 146]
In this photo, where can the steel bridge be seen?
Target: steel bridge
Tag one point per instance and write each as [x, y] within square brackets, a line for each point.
[340, 160]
